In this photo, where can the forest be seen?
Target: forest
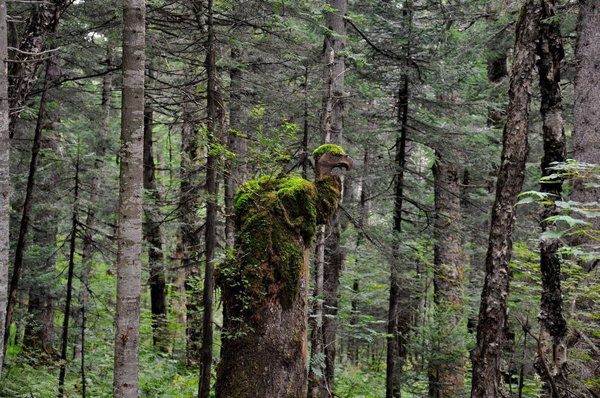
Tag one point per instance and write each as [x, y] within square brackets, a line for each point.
[300, 198]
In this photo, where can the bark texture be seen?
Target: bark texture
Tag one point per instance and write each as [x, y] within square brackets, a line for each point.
[4, 176]
[586, 132]
[586, 141]
[447, 368]
[493, 312]
[553, 324]
[129, 267]
[265, 286]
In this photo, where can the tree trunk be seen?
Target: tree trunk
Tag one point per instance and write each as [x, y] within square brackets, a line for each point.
[90, 222]
[493, 312]
[447, 374]
[264, 287]
[129, 266]
[4, 178]
[586, 134]
[67, 313]
[552, 321]
[157, 281]
[214, 111]
[586, 137]
[395, 336]
[332, 129]
[27, 206]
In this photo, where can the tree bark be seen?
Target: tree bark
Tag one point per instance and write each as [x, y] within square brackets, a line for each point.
[4, 177]
[552, 321]
[67, 313]
[493, 312]
[586, 139]
[129, 266]
[447, 374]
[332, 129]
[586, 132]
[395, 336]
[215, 113]
[157, 281]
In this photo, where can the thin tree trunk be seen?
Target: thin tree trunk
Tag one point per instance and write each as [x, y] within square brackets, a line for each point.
[67, 314]
[91, 221]
[4, 178]
[493, 312]
[157, 281]
[447, 374]
[315, 378]
[212, 187]
[129, 266]
[394, 339]
[552, 321]
[332, 129]
[27, 206]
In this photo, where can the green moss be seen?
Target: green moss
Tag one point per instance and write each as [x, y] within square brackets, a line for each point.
[276, 219]
[328, 197]
[328, 149]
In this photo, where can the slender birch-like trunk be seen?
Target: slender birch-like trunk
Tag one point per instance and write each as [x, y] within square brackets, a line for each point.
[129, 266]
[4, 177]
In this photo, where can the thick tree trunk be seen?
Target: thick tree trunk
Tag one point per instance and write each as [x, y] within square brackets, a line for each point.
[129, 266]
[91, 221]
[493, 312]
[4, 177]
[447, 374]
[553, 324]
[157, 281]
[27, 206]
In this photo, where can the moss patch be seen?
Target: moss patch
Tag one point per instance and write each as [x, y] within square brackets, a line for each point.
[328, 149]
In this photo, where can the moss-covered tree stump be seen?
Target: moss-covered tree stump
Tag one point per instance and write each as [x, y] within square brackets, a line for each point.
[264, 283]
